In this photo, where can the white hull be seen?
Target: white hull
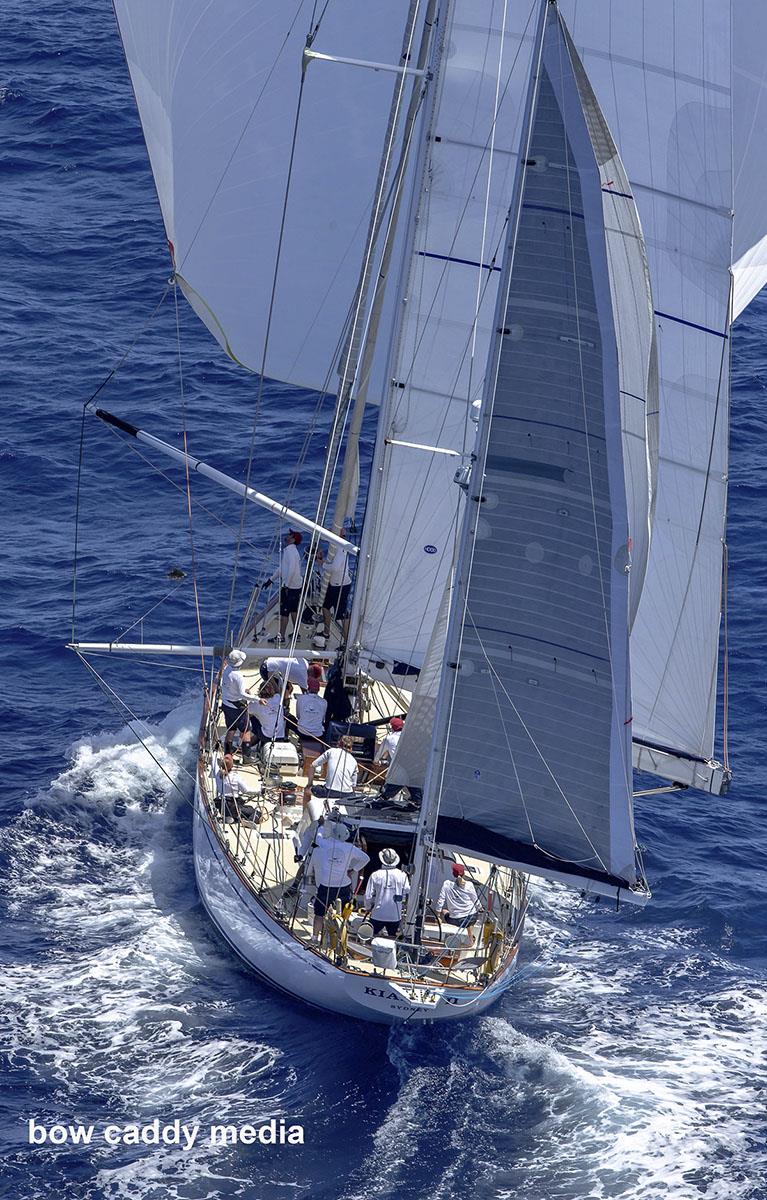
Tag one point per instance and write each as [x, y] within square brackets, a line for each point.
[272, 953]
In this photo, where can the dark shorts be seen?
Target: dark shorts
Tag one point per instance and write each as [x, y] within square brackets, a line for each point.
[236, 717]
[289, 598]
[391, 927]
[327, 896]
[337, 600]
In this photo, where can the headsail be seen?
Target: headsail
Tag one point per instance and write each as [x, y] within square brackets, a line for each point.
[532, 744]
[663, 80]
[217, 87]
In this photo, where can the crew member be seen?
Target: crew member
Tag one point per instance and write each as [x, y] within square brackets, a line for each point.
[340, 770]
[385, 752]
[336, 863]
[385, 894]
[458, 898]
[336, 599]
[267, 716]
[311, 710]
[296, 669]
[229, 787]
[291, 581]
[234, 700]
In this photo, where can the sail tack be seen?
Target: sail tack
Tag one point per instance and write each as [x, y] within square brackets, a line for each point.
[217, 88]
[532, 742]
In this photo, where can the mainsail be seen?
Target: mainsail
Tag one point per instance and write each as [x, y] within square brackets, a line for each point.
[531, 760]
[217, 88]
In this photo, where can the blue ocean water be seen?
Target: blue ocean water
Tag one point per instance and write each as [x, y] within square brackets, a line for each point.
[629, 1058]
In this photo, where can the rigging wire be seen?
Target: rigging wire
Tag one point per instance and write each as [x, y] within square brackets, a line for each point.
[193, 554]
[267, 332]
[81, 454]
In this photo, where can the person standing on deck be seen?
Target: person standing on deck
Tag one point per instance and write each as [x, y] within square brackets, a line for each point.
[335, 863]
[458, 900]
[336, 600]
[234, 700]
[296, 670]
[386, 892]
[291, 582]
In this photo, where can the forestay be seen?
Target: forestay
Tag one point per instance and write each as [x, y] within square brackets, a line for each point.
[217, 87]
[532, 751]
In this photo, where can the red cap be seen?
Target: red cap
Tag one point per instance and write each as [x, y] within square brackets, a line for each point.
[312, 684]
[315, 670]
[396, 723]
[459, 869]
[294, 533]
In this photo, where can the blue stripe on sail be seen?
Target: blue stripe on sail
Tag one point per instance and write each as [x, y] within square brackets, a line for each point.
[529, 637]
[692, 324]
[464, 262]
[565, 212]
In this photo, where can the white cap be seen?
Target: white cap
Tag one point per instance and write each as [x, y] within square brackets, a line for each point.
[389, 857]
[236, 657]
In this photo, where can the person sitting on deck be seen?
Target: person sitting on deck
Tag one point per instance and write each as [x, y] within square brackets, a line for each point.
[385, 894]
[335, 862]
[458, 900]
[229, 787]
[267, 716]
[234, 701]
[340, 770]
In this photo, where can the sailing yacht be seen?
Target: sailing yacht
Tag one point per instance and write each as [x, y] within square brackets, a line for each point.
[423, 206]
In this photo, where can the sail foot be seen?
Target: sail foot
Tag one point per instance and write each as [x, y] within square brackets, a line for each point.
[706, 775]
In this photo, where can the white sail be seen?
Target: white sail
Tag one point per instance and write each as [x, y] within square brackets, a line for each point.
[217, 87]
[662, 76]
[537, 653]
[448, 295]
[749, 130]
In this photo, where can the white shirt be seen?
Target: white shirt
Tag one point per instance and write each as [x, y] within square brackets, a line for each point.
[270, 716]
[339, 570]
[229, 785]
[297, 669]
[459, 901]
[310, 714]
[341, 769]
[388, 746]
[291, 571]
[307, 826]
[383, 886]
[333, 861]
[233, 686]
